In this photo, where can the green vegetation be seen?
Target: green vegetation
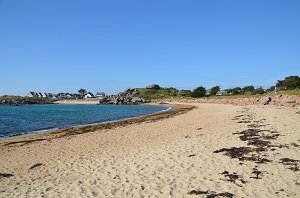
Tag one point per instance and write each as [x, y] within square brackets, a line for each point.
[290, 82]
[199, 92]
[19, 100]
[154, 93]
[248, 89]
[82, 92]
[290, 86]
[214, 90]
[234, 91]
[286, 86]
[291, 92]
[259, 90]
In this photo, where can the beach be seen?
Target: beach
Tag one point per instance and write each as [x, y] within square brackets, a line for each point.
[213, 150]
[79, 101]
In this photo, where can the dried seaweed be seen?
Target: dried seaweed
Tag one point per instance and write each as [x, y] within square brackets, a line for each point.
[290, 163]
[257, 173]
[211, 194]
[35, 165]
[233, 177]
[6, 175]
[241, 154]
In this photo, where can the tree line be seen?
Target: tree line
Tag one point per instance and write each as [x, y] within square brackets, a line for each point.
[289, 83]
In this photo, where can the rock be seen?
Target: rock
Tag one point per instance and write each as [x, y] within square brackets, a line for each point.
[266, 101]
[127, 97]
[153, 86]
[103, 100]
[136, 100]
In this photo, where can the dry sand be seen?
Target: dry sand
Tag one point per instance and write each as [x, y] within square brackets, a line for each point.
[173, 157]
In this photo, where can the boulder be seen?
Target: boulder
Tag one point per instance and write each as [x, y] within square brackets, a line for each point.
[153, 86]
[137, 100]
[266, 101]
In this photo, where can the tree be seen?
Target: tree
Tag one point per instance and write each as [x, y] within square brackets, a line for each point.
[82, 92]
[259, 90]
[198, 92]
[272, 88]
[248, 89]
[234, 91]
[184, 93]
[214, 90]
[290, 82]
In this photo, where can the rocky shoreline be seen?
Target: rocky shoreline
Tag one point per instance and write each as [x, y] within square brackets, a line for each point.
[128, 97]
[18, 100]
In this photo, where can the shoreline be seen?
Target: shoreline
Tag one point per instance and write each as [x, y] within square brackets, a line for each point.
[50, 130]
[78, 101]
[172, 110]
[213, 150]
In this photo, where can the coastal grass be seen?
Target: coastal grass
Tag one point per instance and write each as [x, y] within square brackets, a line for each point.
[292, 92]
[20, 141]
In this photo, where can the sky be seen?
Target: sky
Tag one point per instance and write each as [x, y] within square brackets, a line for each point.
[110, 45]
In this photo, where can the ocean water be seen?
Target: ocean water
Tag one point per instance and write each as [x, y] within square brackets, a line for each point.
[19, 120]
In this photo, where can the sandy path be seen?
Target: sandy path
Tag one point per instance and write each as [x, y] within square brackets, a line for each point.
[168, 158]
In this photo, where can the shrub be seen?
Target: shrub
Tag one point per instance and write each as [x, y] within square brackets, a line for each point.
[290, 82]
[214, 90]
[198, 92]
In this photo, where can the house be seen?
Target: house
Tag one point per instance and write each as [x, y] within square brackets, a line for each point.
[61, 96]
[76, 96]
[69, 96]
[208, 92]
[31, 94]
[100, 95]
[89, 95]
[222, 93]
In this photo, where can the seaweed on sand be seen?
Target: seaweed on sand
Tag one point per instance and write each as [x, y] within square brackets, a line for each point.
[257, 173]
[241, 153]
[211, 194]
[233, 177]
[6, 175]
[290, 163]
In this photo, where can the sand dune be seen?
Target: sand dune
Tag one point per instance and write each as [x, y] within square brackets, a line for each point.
[177, 157]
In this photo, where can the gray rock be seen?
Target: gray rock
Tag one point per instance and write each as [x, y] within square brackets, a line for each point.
[266, 101]
[153, 86]
[136, 100]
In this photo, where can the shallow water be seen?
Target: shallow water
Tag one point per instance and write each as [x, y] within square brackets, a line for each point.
[18, 120]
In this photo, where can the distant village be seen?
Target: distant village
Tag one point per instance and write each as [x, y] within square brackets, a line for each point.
[82, 94]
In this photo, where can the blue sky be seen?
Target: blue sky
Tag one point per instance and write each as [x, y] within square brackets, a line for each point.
[110, 45]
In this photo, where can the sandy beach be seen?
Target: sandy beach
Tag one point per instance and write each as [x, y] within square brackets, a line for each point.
[215, 150]
[79, 101]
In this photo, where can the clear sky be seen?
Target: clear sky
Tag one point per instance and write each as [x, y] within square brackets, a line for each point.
[110, 45]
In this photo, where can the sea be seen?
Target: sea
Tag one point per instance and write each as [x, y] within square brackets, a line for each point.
[26, 119]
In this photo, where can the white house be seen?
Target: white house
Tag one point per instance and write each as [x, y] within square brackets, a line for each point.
[100, 95]
[222, 93]
[89, 95]
[31, 94]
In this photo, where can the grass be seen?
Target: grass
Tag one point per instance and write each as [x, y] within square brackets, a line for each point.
[291, 92]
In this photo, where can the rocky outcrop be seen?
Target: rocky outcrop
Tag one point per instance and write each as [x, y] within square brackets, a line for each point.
[153, 86]
[18, 100]
[279, 100]
[127, 97]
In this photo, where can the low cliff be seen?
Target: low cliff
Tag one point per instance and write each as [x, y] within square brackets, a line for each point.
[280, 100]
